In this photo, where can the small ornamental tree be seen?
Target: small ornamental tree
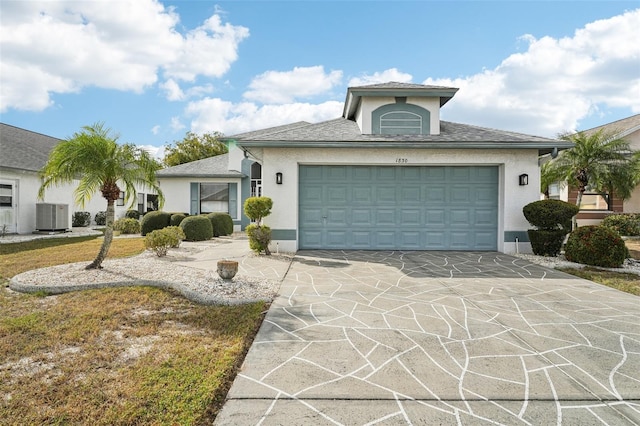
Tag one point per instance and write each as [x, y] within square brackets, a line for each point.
[552, 218]
[257, 208]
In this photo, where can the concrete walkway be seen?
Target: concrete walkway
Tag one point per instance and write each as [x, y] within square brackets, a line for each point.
[431, 338]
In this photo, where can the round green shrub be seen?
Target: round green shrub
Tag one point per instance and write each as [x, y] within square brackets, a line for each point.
[101, 218]
[596, 246]
[550, 214]
[222, 224]
[127, 225]
[176, 218]
[259, 238]
[81, 219]
[624, 224]
[154, 220]
[257, 208]
[197, 228]
[132, 214]
[546, 242]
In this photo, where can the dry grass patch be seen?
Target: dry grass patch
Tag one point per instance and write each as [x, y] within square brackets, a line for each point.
[118, 356]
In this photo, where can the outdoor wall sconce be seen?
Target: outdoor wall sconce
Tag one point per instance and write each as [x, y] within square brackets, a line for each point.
[279, 178]
[523, 179]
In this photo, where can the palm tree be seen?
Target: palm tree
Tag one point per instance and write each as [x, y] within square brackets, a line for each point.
[598, 160]
[94, 157]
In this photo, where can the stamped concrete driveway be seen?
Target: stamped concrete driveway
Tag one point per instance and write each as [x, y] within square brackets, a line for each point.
[433, 338]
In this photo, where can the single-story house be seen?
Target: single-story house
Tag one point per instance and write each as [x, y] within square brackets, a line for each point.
[23, 153]
[388, 174]
[596, 206]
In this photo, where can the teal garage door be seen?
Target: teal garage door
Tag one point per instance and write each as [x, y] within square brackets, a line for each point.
[398, 207]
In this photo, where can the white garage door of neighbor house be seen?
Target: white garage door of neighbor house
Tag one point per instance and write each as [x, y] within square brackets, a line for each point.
[398, 207]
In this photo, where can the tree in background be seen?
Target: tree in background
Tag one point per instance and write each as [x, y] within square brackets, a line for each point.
[94, 157]
[194, 147]
[599, 162]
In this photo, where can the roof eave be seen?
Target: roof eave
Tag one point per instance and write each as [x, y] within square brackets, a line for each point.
[543, 148]
[201, 175]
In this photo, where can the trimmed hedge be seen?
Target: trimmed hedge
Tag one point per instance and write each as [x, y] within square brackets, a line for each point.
[596, 246]
[546, 242]
[132, 214]
[222, 224]
[101, 218]
[550, 214]
[552, 218]
[176, 219]
[154, 220]
[624, 224]
[81, 219]
[197, 228]
[160, 240]
[127, 225]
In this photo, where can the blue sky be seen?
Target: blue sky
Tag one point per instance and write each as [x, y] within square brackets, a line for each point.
[153, 70]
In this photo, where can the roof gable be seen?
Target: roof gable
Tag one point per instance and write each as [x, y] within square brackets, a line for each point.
[212, 167]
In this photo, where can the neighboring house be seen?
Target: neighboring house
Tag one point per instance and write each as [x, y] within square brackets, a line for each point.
[207, 186]
[594, 206]
[23, 153]
[388, 174]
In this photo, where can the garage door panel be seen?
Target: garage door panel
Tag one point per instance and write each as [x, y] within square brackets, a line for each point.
[410, 217]
[311, 216]
[336, 216]
[336, 174]
[385, 217]
[410, 194]
[398, 207]
[337, 195]
[386, 194]
[312, 194]
[435, 217]
[361, 217]
[363, 195]
[386, 239]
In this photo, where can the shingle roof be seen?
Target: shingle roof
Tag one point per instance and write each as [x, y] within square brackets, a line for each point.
[22, 149]
[619, 128]
[397, 85]
[217, 166]
[343, 130]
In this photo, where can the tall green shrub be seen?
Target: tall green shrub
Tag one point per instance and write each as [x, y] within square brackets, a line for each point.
[256, 208]
[197, 228]
[552, 218]
[154, 220]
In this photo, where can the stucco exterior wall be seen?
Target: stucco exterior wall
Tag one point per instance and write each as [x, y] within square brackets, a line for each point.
[511, 163]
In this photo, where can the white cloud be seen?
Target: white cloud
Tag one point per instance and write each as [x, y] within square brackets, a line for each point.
[392, 74]
[155, 151]
[155, 130]
[213, 114]
[63, 46]
[172, 90]
[555, 83]
[281, 87]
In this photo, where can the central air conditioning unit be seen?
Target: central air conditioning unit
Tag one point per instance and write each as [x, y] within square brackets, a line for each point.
[52, 217]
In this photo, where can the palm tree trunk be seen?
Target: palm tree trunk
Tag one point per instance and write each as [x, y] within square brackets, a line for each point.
[108, 237]
[574, 221]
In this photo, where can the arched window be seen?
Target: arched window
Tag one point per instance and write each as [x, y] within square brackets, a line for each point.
[400, 119]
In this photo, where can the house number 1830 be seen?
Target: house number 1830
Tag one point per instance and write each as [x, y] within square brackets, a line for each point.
[402, 160]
